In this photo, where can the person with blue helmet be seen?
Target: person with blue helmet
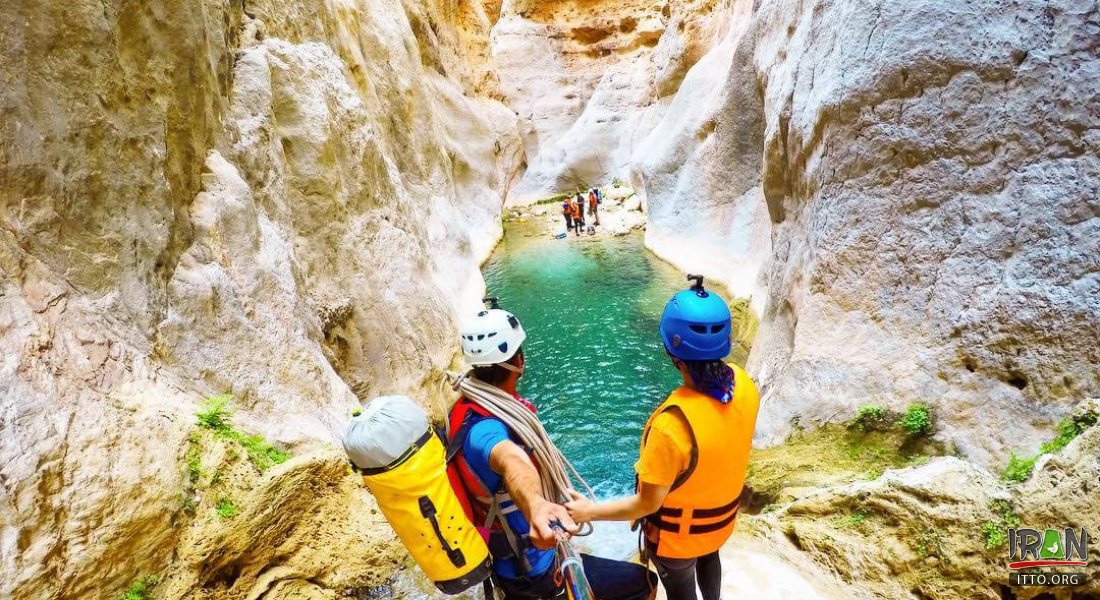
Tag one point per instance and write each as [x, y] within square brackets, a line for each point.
[694, 451]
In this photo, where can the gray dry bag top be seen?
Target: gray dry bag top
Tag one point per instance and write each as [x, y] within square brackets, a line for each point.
[384, 432]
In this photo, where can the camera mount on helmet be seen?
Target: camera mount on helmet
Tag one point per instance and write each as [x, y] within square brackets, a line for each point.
[697, 287]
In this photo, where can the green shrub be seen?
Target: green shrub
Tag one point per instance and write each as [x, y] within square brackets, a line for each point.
[216, 414]
[261, 454]
[142, 589]
[1018, 468]
[868, 417]
[1068, 429]
[917, 419]
[226, 508]
[995, 535]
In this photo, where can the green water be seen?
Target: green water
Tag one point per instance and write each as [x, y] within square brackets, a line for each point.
[595, 364]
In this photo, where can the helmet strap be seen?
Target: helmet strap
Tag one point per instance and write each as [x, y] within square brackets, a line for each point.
[511, 367]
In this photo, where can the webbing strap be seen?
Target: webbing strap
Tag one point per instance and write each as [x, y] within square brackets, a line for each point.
[411, 450]
[496, 513]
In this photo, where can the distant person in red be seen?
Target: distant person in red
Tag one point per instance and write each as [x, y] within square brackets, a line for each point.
[578, 216]
[580, 205]
[593, 207]
[567, 212]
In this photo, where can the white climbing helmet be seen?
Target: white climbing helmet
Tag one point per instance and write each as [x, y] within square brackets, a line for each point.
[491, 337]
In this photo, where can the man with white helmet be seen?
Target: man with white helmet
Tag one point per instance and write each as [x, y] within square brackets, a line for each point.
[500, 483]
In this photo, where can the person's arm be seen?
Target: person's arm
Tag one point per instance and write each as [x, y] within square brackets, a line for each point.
[523, 484]
[644, 503]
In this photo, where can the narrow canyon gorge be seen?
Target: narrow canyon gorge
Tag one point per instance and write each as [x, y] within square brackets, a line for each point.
[289, 203]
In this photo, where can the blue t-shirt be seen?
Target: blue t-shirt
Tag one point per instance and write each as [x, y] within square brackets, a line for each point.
[483, 436]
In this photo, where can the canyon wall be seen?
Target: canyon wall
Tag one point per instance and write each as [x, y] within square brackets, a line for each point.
[931, 171]
[589, 79]
[283, 201]
[905, 190]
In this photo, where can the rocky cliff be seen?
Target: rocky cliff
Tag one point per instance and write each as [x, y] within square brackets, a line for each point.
[287, 202]
[282, 201]
[930, 171]
[906, 191]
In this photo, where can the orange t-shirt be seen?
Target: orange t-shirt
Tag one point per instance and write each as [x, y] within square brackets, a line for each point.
[667, 451]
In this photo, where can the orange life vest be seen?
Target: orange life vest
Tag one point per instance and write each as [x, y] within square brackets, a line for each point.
[576, 209]
[699, 513]
[592, 201]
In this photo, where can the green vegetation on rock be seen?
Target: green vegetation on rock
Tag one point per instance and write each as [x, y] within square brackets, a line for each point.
[869, 417]
[142, 589]
[226, 508]
[216, 416]
[832, 454]
[1019, 467]
[995, 535]
[194, 474]
[917, 419]
[996, 532]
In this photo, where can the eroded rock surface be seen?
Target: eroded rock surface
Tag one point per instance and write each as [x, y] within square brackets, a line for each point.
[929, 531]
[588, 80]
[930, 170]
[285, 201]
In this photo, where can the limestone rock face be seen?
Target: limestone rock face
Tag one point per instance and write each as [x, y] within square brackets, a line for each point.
[699, 169]
[285, 201]
[926, 531]
[930, 171]
[590, 79]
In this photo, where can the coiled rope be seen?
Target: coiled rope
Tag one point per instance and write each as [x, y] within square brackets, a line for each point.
[555, 471]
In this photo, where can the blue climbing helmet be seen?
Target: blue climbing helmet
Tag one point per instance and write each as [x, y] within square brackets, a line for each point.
[696, 324]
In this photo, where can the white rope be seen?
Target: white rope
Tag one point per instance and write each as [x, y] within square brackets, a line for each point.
[554, 470]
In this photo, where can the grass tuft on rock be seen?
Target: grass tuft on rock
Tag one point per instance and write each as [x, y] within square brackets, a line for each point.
[1019, 468]
[226, 508]
[142, 589]
[832, 454]
[869, 418]
[217, 416]
[917, 419]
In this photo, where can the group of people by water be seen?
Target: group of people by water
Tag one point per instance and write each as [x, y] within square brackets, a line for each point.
[690, 473]
[491, 500]
[573, 210]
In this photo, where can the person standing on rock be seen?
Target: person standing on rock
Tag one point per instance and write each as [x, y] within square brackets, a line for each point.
[580, 205]
[567, 212]
[501, 481]
[578, 215]
[694, 451]
[593, 207]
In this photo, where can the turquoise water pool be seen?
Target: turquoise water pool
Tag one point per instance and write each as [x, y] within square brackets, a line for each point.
[595, 364]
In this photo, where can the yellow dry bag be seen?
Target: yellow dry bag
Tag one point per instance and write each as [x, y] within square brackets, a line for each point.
[404, 464]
